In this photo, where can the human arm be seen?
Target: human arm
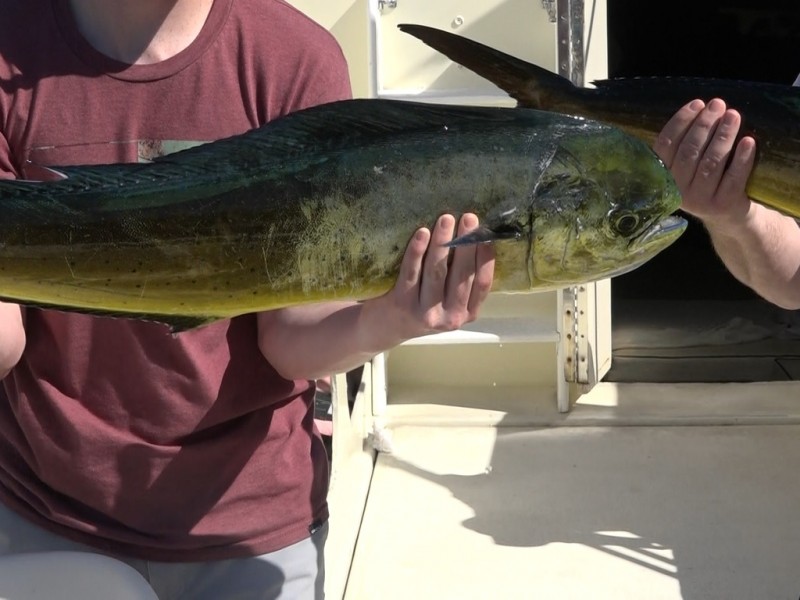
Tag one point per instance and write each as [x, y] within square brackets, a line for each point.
[12, 336]
[431, 295]
[12, 331]
[758, 245]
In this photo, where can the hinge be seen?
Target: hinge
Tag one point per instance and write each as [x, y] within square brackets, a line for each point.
[570, 40]
[582, 362]
[577, 365]
[569, 330]
[550, 7]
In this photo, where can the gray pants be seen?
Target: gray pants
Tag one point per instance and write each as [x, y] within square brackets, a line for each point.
[26, 550]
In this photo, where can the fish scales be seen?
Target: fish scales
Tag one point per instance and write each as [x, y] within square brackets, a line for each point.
[320, 205]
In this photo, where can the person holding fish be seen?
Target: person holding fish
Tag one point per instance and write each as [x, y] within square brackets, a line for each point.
[712, 165]
[187, 464]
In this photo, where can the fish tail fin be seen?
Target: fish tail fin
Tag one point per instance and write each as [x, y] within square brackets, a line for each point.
[532, 86]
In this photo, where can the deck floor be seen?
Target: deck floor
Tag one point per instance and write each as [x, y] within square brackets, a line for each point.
[595, 505]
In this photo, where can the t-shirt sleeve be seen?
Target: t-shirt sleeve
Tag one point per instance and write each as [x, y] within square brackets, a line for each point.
[286, 61]
[328, 78]
[334, 81]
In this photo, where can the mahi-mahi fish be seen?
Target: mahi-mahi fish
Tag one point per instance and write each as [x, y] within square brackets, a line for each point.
[642, 106]
[320, 205]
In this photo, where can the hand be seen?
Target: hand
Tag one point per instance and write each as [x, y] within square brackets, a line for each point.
[439, 289]
[696, 145]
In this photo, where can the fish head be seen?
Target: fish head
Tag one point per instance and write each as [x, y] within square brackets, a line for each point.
[603, 207]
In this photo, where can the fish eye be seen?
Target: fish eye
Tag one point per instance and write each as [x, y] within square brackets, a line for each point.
[625, 224]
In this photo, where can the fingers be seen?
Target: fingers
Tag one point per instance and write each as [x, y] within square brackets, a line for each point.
[697, 138]
[410, 274]
[462, 269]
[470, 276]
[703, 155]
[671, 136]
[435, 268]
[484, 276]
[699, 146]
[734, 181]
[442, 288]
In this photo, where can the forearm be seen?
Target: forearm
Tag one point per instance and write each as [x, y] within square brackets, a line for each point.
[313, 341]
[12, 337]
[763, 253]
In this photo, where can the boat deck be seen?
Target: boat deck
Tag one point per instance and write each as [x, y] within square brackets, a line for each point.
[672, 489]
[658, 491]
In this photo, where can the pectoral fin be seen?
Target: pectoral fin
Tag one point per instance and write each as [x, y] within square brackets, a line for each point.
[485, 235]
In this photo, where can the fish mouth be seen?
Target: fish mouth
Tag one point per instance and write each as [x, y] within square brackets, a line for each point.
[663, 232]
[652, 240]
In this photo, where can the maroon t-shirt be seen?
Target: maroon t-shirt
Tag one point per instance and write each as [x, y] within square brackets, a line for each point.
[114, 432]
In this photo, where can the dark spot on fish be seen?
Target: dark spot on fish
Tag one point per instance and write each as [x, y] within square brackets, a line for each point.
[252, 269]
[214, 289]
[194, 281]
[133, 270]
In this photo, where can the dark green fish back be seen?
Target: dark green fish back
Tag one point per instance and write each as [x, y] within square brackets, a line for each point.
[340, 126]
[211, 169]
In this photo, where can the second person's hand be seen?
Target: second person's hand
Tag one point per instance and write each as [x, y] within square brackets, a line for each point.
[711, 169]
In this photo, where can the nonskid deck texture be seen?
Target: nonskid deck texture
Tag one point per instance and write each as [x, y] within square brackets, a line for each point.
[641, 492]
